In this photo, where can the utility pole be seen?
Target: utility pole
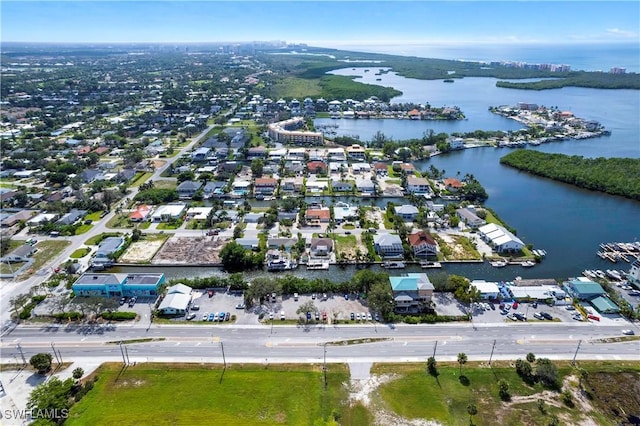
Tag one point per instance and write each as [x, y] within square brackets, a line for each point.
[24, 361]
[434, 349]
[573, 362]
[58, 358]
[491, 356]
[224, 360]
[126, 351]
[324, 366]
[124, 360]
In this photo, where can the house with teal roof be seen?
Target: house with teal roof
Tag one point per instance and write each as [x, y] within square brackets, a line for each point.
[411, 292]
[584, 289]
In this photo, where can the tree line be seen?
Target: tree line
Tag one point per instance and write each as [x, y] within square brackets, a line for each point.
[616, 176]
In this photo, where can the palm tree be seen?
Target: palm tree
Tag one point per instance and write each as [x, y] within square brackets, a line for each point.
[462, 359]
[471, 409]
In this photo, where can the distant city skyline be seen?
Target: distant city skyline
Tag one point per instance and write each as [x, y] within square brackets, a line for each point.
[322, 23]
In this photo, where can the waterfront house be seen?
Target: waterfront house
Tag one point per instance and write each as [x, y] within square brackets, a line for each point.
[388, 245]
[188, 189]
[452, 184]
[320, 246]
[499, 238]
[292, 184]
[343, 212]
[411, 292]
[265, 185]
[416, 185]
[341, 186]
[423, 244]
[366, 186]
[250, 243]
[380, 168]
[469, 217]
[106, 249]
[407, 212]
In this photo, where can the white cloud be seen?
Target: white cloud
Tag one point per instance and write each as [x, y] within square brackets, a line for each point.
[617, 32]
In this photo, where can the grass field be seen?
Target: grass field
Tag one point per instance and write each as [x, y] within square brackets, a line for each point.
[414, 394]
[202, 395]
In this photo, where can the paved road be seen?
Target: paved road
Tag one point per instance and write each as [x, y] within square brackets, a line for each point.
[298, 344]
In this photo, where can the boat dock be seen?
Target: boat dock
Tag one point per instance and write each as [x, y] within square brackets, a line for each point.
[614, 252]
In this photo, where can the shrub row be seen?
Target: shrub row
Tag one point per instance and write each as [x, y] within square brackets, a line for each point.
[118, 316]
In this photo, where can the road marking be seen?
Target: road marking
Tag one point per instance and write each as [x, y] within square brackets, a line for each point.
[216, 339]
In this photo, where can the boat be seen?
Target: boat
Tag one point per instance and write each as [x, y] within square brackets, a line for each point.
[498, 263]
[316, 266]
[393, 265]
[426, 264]
[599, 274]
[613, 274]
[448, 80]
[528, 263]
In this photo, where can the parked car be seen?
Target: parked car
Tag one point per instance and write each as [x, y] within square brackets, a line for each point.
[240, 306]
[270, 315]
[308, 315]
[295, 296]
[368, 316]
[353, 316]
[205, 316]
[212, 316]
[221, 316]
[377, 317]
[324, 316]
[313, 296]
[538, 315]
[282, 317]
[317, 316]
[191, 316]
[346, 296]
[195, 308]
[577, 317]
[534, 304]
[570, 308]
[593, 317]
[123, 300]
[132, 302]
[546, 315]
[515, 305]
[357, 316]
[227, 316]
[503, 312]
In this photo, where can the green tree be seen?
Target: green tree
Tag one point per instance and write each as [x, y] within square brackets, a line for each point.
[52, 396]
[462, 359]
[531, 357]
[547, 372]
[41, 362]
[472, 410]
[257, 167]
[432, 366]
[503, 390]
[77, 373]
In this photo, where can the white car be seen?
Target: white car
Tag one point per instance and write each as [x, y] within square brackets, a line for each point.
[369, 316]
[628, 332]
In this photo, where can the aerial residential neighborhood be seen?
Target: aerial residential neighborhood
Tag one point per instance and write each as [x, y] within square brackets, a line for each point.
[270, 232]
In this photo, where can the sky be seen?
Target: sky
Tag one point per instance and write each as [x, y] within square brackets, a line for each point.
[322, 23]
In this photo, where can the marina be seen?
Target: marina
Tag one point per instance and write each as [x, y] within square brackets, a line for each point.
[613, 252]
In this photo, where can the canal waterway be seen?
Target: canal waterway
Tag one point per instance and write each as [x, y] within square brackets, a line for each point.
[568, 222]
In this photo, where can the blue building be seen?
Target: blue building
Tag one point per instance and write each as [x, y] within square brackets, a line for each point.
[118, 285]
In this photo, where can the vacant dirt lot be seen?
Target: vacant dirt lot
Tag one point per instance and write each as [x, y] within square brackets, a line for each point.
[190, 250]
[141, 251]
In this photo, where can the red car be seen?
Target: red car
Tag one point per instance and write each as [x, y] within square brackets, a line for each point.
[515, 305]
[593, 317]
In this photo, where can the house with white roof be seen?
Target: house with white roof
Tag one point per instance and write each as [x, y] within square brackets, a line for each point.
[407, 212]
[416, 185]
[168, 212]
[499, 238]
